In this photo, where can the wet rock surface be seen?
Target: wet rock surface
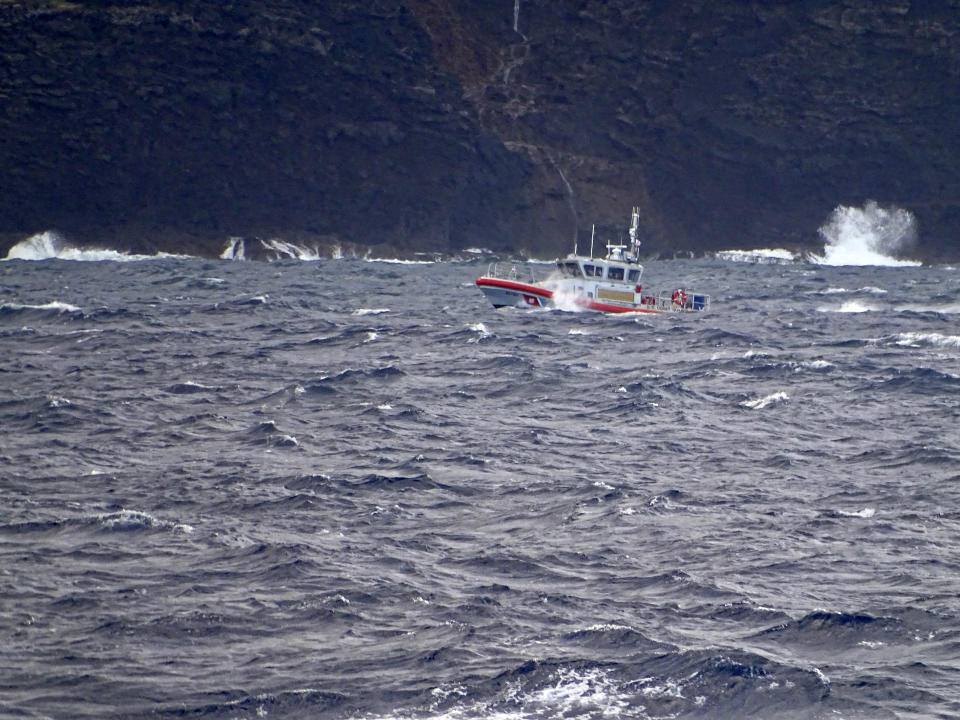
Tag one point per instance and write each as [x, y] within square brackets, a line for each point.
[436, 125]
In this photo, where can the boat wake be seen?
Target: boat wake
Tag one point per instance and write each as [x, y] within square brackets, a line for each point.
[565, 299]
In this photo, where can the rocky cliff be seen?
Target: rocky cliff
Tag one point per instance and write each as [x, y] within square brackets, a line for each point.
[441, 124]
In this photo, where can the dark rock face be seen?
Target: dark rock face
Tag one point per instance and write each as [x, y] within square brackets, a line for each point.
[441, 124]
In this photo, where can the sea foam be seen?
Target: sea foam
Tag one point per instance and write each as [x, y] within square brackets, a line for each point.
[49, 245]
[868, 235]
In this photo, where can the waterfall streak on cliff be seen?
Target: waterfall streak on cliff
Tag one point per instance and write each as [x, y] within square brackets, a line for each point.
[571, 198]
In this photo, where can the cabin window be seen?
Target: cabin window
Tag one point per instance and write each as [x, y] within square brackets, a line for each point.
[573, 269]
[588, 270]
[614, 273]
[633, 276]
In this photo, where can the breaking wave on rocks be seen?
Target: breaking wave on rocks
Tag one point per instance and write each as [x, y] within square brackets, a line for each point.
[868, 235]
[50, 245]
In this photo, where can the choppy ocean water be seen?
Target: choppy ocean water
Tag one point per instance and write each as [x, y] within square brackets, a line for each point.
[344, 489]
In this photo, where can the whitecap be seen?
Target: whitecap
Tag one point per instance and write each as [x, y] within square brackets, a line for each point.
[823, 678]
[915, 339]
[669, 689]
[54, 306]
[764, 256]
[760, 403]
[574, 692]
[850, 306]
[370, 311]
[608, 627]
[865, 513]
[481, 330]
[952, 309]
[127, 520]
[661, 501]
[398, 261]
[830, 291]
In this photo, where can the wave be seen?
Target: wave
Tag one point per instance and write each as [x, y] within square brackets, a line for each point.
[284, 249]
[851, 306]
[760, 403]
[401, 261]
[868, 235]
[49, 245]
[268, 433]
[695, 683]
[922, 380]
[918, 339]
[53, 306]
[353, 378]
[765, 256]
[848, 633]
[370, 311]
[948, 309]
[273, 249]
[124, 520]
[866, 289]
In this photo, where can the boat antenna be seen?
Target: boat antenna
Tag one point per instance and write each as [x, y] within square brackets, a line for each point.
[592, 231]
[634, 230]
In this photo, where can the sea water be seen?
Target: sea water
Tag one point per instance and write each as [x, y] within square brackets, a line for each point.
[347, 489]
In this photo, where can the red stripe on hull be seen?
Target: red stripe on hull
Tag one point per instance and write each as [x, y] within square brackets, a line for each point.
[547, 294]
[511, 285]
[606, 307]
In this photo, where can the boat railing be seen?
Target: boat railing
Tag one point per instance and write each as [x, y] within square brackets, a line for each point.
[517, 272]
[681, 300]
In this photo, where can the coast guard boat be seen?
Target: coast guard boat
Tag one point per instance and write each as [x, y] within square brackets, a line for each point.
[611, 284]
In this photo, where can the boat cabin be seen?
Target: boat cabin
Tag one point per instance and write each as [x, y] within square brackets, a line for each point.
[594, 269]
